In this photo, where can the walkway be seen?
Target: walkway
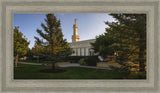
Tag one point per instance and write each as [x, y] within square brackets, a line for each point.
[30, 63]
[96, 67]
[68, 65]
[78, 65]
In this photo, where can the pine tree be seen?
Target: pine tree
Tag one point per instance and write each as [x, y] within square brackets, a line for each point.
[20, 44]
[114, 43]
[126, 37]
[136, 25]
[54, 43]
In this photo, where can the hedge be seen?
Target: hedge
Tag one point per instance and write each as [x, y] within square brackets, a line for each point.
[91, 60]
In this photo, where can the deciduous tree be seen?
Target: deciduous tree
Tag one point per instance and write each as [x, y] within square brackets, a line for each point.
[20, 44]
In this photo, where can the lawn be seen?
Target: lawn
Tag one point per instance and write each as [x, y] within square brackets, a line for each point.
[33, 72]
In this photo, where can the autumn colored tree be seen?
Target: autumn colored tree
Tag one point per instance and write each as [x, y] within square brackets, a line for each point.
[20, 44]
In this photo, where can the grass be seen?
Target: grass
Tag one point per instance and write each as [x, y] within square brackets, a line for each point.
[32, 72]
[37, 61]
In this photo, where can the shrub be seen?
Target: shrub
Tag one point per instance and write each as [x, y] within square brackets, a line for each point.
[91, 60]
[137, 75]
[82, 61]
[75, 59]
[120, 69]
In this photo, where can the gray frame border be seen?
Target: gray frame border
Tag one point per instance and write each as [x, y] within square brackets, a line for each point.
[156, 38]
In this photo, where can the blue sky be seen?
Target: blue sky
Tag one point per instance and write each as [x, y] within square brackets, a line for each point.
[90, 25]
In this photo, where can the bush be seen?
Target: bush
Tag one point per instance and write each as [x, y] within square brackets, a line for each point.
[75, 59]
[91, 60]
[82, 61]
[137, 75]
[120, 69]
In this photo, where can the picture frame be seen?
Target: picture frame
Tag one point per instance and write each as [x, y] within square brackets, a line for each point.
[9, 7]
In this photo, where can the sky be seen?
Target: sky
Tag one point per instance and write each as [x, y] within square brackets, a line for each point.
[90, 25]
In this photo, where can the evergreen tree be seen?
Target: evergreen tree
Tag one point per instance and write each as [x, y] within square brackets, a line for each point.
[122, 44]
[126, 38]
[136, 23]
[102, 45]
[114, 43]
[20, 44]
[54, 43]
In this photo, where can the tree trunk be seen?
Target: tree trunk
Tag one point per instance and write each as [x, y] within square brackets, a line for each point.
[53, 66]
[53, 63]
[16, 61]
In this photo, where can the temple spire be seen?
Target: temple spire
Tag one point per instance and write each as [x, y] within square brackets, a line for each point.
[75, 36]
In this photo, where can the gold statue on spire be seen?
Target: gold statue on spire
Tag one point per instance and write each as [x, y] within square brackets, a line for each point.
[75, 20]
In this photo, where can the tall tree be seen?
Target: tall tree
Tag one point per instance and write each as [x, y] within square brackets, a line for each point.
[53, 37]
[102, 45]
[136, 23]
[126, 38]
[114, 40]
[20, 44]
[122, 45]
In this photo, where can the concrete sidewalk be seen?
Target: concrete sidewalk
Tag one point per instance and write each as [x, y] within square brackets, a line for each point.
[78, 65]
[68, 65]
[30, 63]
[95, 67]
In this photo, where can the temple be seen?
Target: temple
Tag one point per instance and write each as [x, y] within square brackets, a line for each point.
[80, 48]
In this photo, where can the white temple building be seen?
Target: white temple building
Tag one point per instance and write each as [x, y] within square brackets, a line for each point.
[80, 48]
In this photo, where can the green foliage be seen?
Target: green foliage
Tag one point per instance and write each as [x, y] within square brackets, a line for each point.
[126, 38]
[124, 68]
[135, 29]
[92, 60]
[139, 75]
[20, 43]
[29, 54]
[54, 45]
[75, 59]
[82, 61]
[101, 45]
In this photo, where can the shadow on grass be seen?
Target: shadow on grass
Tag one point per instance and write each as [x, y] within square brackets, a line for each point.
[18, 67]
[52, 71]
